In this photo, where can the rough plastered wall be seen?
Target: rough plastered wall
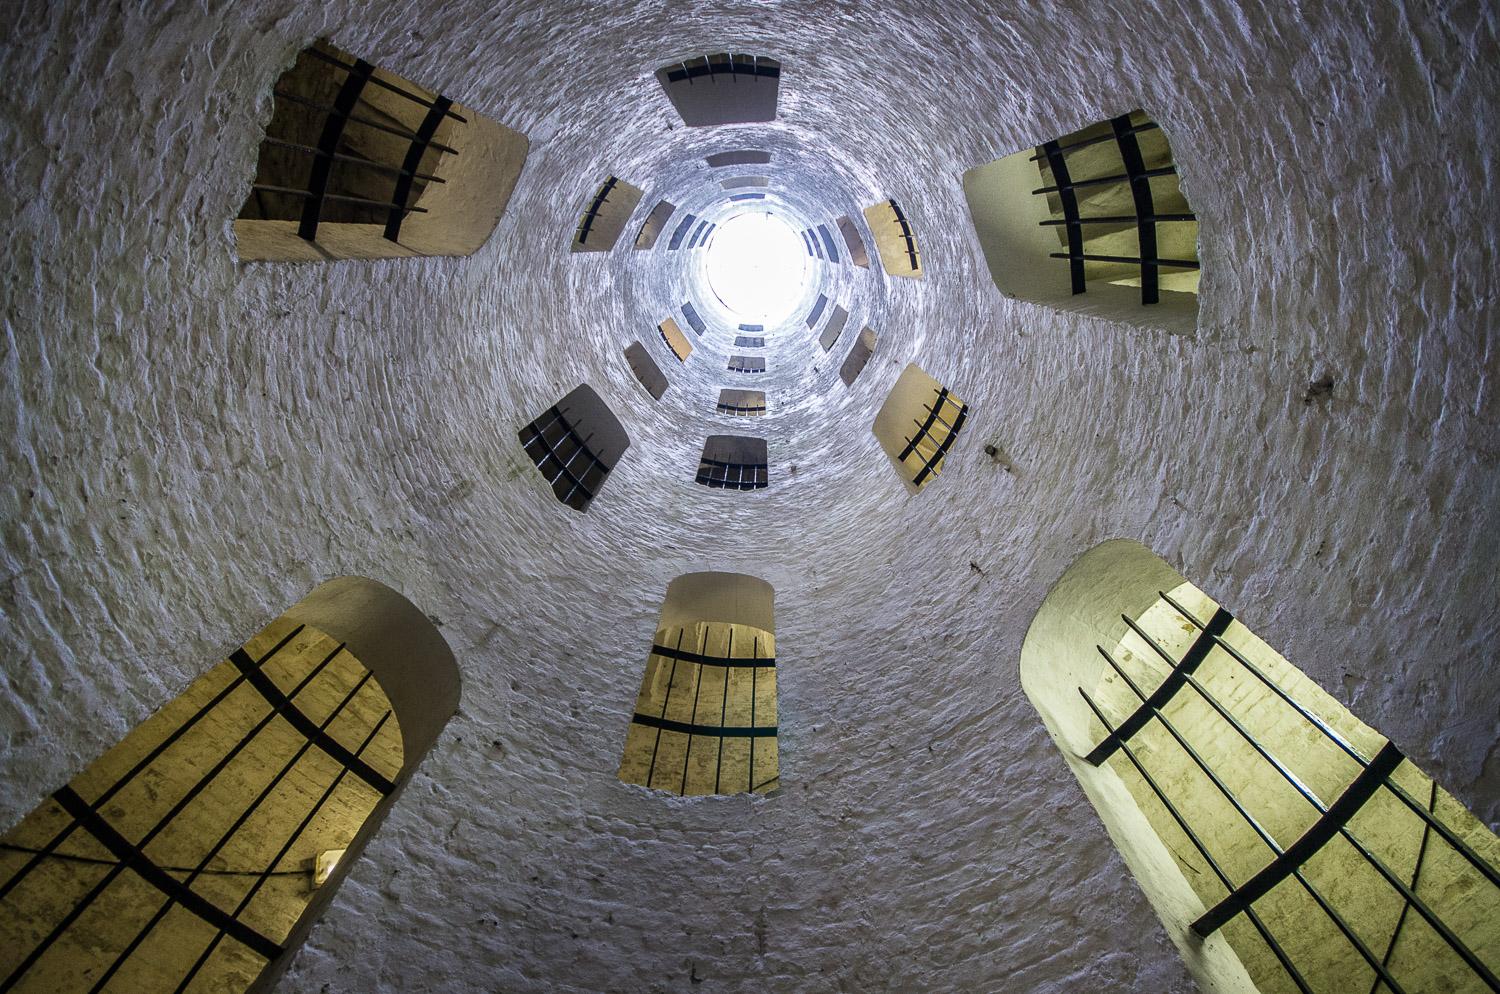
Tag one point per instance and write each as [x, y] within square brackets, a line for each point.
[192, 443]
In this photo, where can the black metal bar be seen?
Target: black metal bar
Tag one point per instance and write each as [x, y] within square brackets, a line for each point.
[1182, 823]
[925, 428]
[1191, 659]
[703, 660]
[1107, 180]
[723, 712]
[592, 213]
[1416, 874]
[414, 155]
[328, 143]
[1057, 162]
[942, 450]
[1292, 858]
[423, 101]
[1099, 139]
[356, 119]
[665, 699]
[1140, 192]
[911, 243]
[357, 160]
[750, 775]
[1130, 260]
[755, 66]
[334, 196]
[687, 753]
[1120, 219]
[730, 731]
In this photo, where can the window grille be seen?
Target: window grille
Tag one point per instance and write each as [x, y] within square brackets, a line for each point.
[834, 328]
[747, 342]
[654, 225]
[744, 181]
[853, 242]
[575, 445]
[734, 462]
[605, 216]
[747, 364]
[723, 88]
[676, 341]
[894, 239]
[742, 403]
[827, 236]
[748, 196]
[1108, 188]
[816, 312]
[646, 370]
[694, 321]
[917, 425]
[859, 355]
[746, 157]
[683, 227]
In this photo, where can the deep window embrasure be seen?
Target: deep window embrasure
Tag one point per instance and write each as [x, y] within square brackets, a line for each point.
[676, 341]
[918, 424]
[747, 364]
[646, 370]
[694, 321]
[834, 328]
[723, 89]
[859, 355]
[816, 312]
[747, 157]
[654, 225]
[734, 462]
[748, 342]
[606, 215]
[738, 182]
[742, 403]
[575, 444]
[853, 242]
[894, 239]
[829, 247]
[681, 231]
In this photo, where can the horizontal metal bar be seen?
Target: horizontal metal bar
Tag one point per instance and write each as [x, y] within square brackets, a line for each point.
[1130, 259]
[715, 731]
[1106, 180]
[387, 128]
[356, 160]
[340, 63]
[1098, 140]
[705, 660]
[333, 196]
[1122, 219]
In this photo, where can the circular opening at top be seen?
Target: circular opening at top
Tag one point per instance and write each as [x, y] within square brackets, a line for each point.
[757, 266]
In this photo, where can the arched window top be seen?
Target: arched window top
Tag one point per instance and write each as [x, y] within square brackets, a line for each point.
[225, 822]
[894, 239]
[359, 163]
[723, 88]
[1266, 823]
[918, 424]
[605, 216]
[575, 444]
[705, 717]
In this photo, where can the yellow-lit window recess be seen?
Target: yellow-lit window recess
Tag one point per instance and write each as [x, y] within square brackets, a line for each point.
[181, 858]
[605, 216]
[705, 718]
[1286, 845]
[895, 241]
[676, 341]
[359, 163]
[918, 424]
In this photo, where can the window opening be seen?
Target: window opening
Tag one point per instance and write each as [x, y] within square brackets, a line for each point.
[654, 225]
[816, 312]
[743, 181]
[734, 462]
[747, 364]
[723, 88]
[1324, 858]
[575, 444]
[742, 403]
[646, 370]
[740, 158]
[748, 342]
[683, 227]
[752, 327]
[814, 246]
[186, 856]
[918, 424]
[834, 328]
[894, 239]
[747, 196]
[675, 339]
[606, 215]
[853, 242]
[705, 718]
[699, 233]
[827, 236]
[694, 321]
[370, 165]
[859, 355]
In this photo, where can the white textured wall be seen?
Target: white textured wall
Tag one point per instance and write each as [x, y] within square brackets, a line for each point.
[191, 444]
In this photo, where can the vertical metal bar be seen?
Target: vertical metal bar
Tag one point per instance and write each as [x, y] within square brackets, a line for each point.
[724, 709]
[755, 651]
[1140, 191]
[328, 143]
[665, 698]
[1057, 162]
[425, 134]
[693, 715]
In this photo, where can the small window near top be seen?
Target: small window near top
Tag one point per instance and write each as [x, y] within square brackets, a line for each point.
[606, 215]
[858, 357]
[684, 227]
[655, 224]
[700, 235]
[918, 424]
[694, 321]
[747, 364]
[744, 181]
[854, 243]
[723, 89]
[834, 328]
[742, 403]
[748, 196]
[646, 370]
[816, 312]
[747, 157]
[752, 327]
[675, 339]
[576, 444]
[734, 462]
[814, 245]
[827, 236]
[894, 240]
[359, 163]
[749, 342]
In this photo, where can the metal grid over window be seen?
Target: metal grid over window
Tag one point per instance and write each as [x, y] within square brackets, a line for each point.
[724, 64]
[1091, 178]
[655, 224]
[747, 342]
[742, 403]
[354, 176]
[182, 858]
[705, 718]
[565, 459]
[747, 364]
[1228, 762]
[595, 207]
[934, 435]
[734, 462]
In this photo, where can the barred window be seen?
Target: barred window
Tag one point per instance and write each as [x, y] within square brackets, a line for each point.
[834, 328]
[359, 163]
[747, 364]
[675, 339]
[894, 240]
[918, 424]
[723, 89]
[828, 246]
[694, 321]
[744, 181]
[606, 215]
[646, 370]
[744, 157]
[198, 852]
[684, 227]
[705, 717]
[576, 444]
[853, 242]
[742, 403]
[1095, 221]
[654, 225]
[858, 357]
[747, 342]
[816, 312]
[734, 462]
[1250, 803]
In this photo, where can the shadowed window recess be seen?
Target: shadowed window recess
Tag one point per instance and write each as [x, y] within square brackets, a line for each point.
[723, 89]
[825, 236]
[197, 853]
[646, 370]
[747, 364]
[749, 342]
[742, 403]
[744, 157]
[918, 424]
[359, 163]
[675, 340]
[654, 225]
[683, 229]
[606, 215]
[895, 241]
[1096, 214]
[817, 311]
[575, 445]
[694, 321]
[734, 462]
[853, 242]
[1286, 845]
[859, 355]
[744, 181]
[834, 328]
[705, 717]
